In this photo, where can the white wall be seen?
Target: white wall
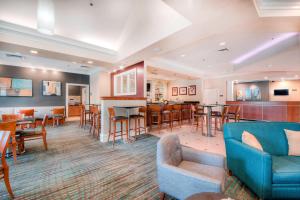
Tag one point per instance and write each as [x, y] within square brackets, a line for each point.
[99, 86]
[292, 86]
[185, 83]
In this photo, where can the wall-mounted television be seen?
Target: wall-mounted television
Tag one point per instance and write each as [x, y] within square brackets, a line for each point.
[281, 92]
[15, 87]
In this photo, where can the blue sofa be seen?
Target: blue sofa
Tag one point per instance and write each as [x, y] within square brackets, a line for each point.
[271, 174]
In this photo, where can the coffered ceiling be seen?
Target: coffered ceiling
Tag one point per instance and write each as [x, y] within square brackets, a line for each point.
[197, 38]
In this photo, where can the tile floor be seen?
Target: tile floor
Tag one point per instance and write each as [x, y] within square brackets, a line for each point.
[192, 138]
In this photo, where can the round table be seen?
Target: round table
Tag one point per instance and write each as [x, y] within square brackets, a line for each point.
[207, 196]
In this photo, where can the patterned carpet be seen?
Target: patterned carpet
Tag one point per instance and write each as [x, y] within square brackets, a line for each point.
[76, 166]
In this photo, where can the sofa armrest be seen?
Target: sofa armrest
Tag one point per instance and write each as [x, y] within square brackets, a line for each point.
[182, 183]
[252, 166]
[203, 157]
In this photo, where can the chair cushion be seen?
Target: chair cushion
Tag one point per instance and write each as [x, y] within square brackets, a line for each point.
[119, 118]
[31, 131]
[286, 169]
[211, 172]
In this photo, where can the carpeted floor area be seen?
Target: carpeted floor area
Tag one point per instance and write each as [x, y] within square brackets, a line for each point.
[76, 166]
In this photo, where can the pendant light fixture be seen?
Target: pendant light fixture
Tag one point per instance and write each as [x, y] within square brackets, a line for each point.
[45, 17]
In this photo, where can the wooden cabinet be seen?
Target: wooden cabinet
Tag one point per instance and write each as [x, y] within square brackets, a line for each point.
[74, 110]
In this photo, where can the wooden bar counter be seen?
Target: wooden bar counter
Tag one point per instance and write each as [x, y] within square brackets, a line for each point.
[287, 111]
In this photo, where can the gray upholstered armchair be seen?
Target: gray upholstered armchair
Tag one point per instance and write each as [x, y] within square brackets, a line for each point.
[184, 171]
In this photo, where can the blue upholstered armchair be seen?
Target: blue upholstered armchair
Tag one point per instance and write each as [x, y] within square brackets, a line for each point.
[183, 171]
[272, 173]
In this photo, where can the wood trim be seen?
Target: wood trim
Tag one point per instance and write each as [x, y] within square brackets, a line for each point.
[123, 98]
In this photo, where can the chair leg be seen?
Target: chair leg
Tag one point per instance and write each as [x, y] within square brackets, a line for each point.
[139, 125]
[7, 183]
[115, 130]
[161, 196]
[14, 150]
[122, 130]
[45, 141]
[135, 126]
[127, 136]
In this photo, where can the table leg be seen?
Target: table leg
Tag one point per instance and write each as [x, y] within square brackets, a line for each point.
[209, 122]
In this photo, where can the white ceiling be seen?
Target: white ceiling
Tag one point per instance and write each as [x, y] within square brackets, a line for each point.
[160, 32]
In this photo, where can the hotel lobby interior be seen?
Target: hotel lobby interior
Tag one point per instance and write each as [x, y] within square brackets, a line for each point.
[150, 99]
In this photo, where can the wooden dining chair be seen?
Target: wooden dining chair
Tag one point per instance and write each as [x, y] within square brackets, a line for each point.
[11, 126]
[36, 133]
[113, 120]
[4, 168]
[58, 116]
[27, 113]
[235, 114]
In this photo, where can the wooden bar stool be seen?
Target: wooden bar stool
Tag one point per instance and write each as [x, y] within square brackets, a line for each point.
[113, 120]
[220, 118]
[142, 115]
[167, 115]
[177, 115]
[196, 116]
[186, 112]
[155, 115]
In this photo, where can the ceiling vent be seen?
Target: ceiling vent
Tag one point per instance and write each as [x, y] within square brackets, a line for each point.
[9, 55]
[224, 49]
[86, 67]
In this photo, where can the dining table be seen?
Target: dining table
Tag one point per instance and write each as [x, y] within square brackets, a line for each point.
[128, 109]
[209, 108]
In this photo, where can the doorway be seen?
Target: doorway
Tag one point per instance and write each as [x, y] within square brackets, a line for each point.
[76, 95]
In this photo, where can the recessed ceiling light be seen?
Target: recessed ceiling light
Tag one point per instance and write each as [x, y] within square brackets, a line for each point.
[282, 79]
[121, 66]
[222, 43]
[182, 55]
[266, 78]
[33, 69]
[34, 51]
[44, 70]
[114, 70]
[296, 76]
[90, 62]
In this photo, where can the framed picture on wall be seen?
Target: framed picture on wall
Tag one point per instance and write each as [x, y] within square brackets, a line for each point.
[51, 88]
[192, 90]
[174, 91]
[15, 87]
[183, 91]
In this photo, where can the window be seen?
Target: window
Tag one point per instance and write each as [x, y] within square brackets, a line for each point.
[125, 83]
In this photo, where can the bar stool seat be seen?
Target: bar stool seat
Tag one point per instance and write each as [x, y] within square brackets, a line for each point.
[116, 118]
